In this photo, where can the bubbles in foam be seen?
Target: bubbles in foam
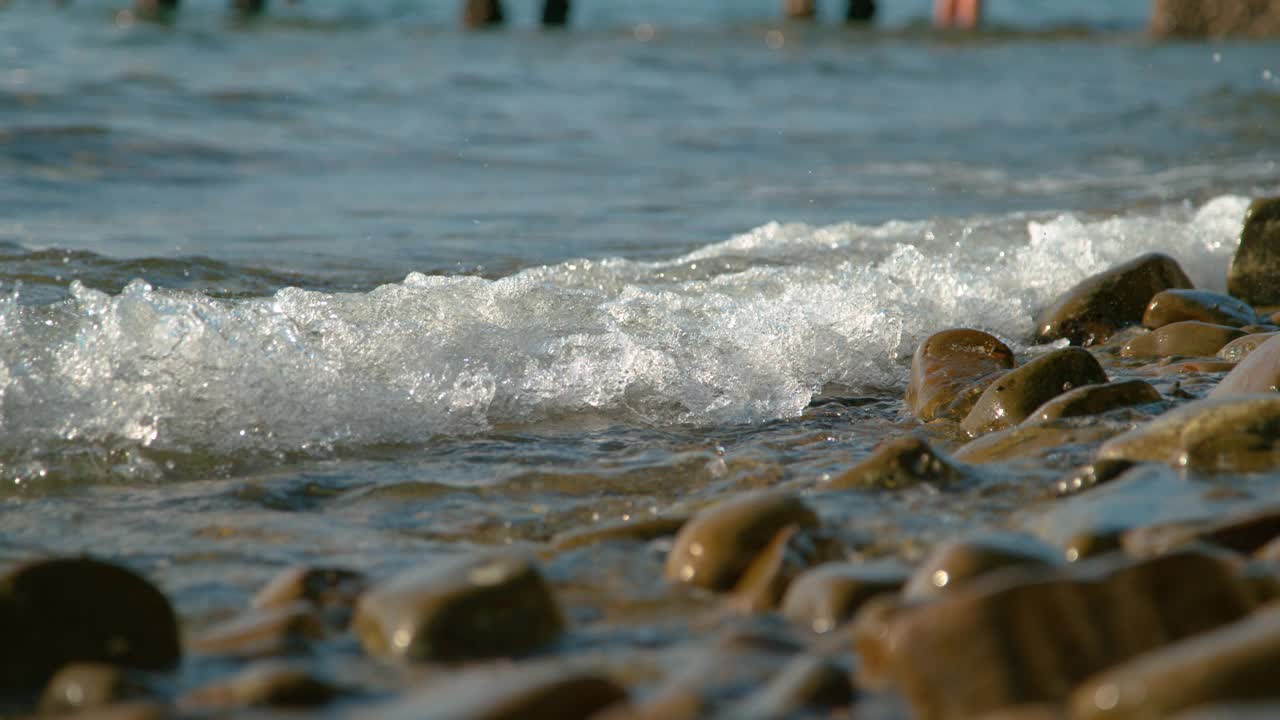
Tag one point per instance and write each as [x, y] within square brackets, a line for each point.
[741, 331]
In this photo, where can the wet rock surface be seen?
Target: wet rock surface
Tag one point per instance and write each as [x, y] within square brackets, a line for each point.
[950, 370]
[1234, 433]
[1094, 309]
[954, 564]
[900, 463]
[1256, 264]
[1012, 398]
[1095, 399]
[1187, 338]
[1258, 372]
[829, 595]
[1171, 306]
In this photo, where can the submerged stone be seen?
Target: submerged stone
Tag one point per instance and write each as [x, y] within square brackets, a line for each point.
[1177, 305]
[639, 530]
[1188, 338]
[901, 462]
[1013, 397]
[950, 369]
[714, 548]
[1095, 473]
[1035, 440]
[1095, 308]
[1237, 433]
[1239, 349]
[1255, 267]
[1096, 399]
[64, 610]
[829, 595]
[474, 608]
[958, 562]
[1258, 372]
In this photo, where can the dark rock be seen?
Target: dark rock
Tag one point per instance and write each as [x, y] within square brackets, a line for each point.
[487, 607]
[81, 686]
[1255, 268]
[1171, 306]
[267, 683]
[901, 462]
[59, 611]
[1232, 663]
[1239, 349]
[1013, 397]
[1096, 399]
[1031, 637]
[1101, 304]
[829, 595]
[950, 369]
[129, 710]
[262, 633]
[1259, 372]
[1186, 338]
[954, 564]
[1238, 433]
[518, 692]
[715, 548]
[1215, 18]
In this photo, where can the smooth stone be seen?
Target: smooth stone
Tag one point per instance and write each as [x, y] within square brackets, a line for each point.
[268, 683]
[1095, 473]
[806, 685]
[714, 549]
[1244, 533]
[1187, 367]
[1009, 400]
[1255, 267]
[1239, 349]
[955, 563]
[262, 633]
[59, 611]
[1096, 399]
[84, 685]
[1032, 636]
[333, 590]
[1238, 433]
[1232, 663]
[638, 530]
[829, 595]
[950, 369]
[1258, 372]
[517, 692]
[1187, 338]
[767, 578]
[1097, 306]
[1091, 543]
[1171, 306]
[898, 463]
[472, 608]
[1031, 441]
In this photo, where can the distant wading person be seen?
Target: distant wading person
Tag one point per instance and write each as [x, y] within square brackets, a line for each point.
[963, 14]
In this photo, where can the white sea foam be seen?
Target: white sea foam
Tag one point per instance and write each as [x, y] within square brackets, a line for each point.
[745, 330]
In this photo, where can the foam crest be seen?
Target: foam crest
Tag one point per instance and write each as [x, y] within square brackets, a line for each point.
[742, 331]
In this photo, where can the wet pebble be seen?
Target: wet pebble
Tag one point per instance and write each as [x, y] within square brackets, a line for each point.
[1187, 338]
[808, 684]
[266, 683]
[765, 580]
[1095, 308]
[901, 462]
[1238, 433]
[1013, 397]
[829, 595]
[518, 692]
[262, 633]
[1244, 533]
[1238, 349]
[950, 369]
[1258, 372]
[638, 530]
[1034, 440]
[955, 563]
[1177, 305]
[331, 590]
[1096, 399]
[1256, 263]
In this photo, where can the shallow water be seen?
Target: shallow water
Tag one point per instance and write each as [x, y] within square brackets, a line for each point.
[347, 285]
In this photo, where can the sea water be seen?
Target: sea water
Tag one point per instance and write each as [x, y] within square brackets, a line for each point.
[346, 284]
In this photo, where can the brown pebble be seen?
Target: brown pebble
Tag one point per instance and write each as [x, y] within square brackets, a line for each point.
[1188, 367]
[472, 608]
[1171, 306]
[1013, 397]
[898, 463]
[518, 692]
[1093, 474]
[1231, 663]
[1187, 338]
[1096, 399]
[1238, 433]
[765, 580]
[955, 563]
[714, 548]
[55, 612]
[262, 633]
[267, 683]
[950, 369]
[1244, 533]
[1031, 637]
[1259, 372]
[1033, 441]
[83, 685]
[1256, 264]
[1094, 309]
[637, 530]
[1239, 349]
[829, 595]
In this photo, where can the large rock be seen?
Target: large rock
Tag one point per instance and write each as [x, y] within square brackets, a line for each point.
[715, 548]
[1189, 338]
[1095, 399]
[1215, 18]
[950, 369]
[1020, 637]
[1013, 397]
[1101, 304]
[1254, 275]
[1258, 372]
[59, 611]
[1237, 433]
[1171, 306]
[901, 462]
[486, 607]
[1233, 663]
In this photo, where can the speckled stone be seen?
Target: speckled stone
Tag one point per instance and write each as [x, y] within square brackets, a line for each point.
[1095, 308]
